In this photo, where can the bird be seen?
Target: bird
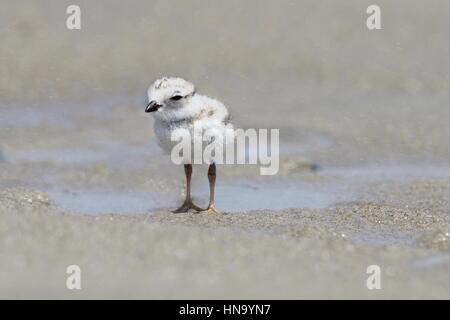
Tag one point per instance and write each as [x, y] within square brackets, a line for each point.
[175, 104]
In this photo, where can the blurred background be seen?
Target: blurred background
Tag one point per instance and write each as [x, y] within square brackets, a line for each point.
[300, 65]
[364, 148]
[262, 44]
[340, 94]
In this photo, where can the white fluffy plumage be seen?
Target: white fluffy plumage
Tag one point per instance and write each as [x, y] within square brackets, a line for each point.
[175, 104]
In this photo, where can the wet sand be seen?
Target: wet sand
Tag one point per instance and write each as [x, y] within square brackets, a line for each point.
[398, 220]
[292, 253]
[364, 153]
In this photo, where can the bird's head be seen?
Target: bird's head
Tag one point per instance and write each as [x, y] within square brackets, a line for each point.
[169, 93]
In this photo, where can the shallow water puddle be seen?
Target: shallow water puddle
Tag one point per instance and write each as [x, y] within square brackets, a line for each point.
[274, 195]
[111, 154]
[389, 171]
[230, 198]
[104, 201]
[238, 195]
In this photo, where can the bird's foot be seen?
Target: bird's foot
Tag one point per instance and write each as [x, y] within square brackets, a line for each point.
[187, 205]
[212, 209]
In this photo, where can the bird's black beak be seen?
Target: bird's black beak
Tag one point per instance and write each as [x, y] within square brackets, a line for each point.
[152, 106]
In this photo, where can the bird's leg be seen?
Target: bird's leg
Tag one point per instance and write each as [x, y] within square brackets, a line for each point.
[188, 204]
[212, 182]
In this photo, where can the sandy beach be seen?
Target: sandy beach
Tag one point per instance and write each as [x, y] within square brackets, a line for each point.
[364, 151]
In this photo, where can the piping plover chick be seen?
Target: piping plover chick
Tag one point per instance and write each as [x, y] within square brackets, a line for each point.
[175, 105]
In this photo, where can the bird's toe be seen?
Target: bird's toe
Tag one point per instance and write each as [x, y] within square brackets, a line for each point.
[212, 210]
[188, 206]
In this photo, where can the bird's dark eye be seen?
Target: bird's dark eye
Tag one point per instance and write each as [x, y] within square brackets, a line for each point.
[177, 97]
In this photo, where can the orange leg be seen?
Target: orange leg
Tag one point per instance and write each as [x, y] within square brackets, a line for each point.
[212, 183]
[188, 204]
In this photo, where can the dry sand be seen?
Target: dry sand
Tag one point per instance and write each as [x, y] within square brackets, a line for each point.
[364, 178]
